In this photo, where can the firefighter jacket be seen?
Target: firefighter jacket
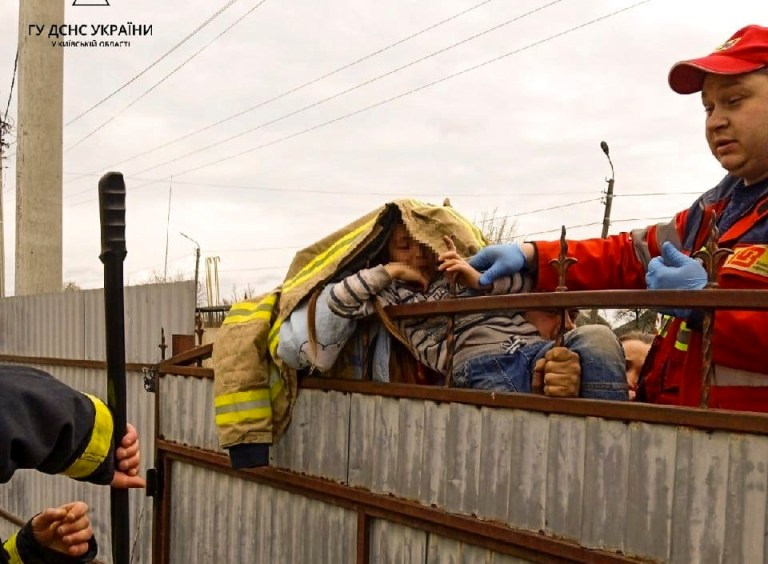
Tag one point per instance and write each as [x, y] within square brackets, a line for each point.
[672, 372]
[48, 426]
[254, 390]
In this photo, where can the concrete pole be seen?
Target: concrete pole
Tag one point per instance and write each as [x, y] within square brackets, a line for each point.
[39, 151]
[2, 221]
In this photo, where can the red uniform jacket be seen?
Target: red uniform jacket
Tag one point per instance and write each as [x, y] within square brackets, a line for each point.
[672, 371]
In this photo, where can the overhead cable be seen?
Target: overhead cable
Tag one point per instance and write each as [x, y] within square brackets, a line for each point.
[166, 77]
[348, 90]
[13, 82]
[301, 86]
[634, 219]
[408, 192]
[407, 93]
[569, 204]
[194, 32]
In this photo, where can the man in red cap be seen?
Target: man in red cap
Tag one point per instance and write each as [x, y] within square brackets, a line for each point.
[733, 81]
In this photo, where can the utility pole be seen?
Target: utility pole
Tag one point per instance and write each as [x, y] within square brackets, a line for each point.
[607, 214]
[197, 261]
[3, 127]
[39, 149]
[608, 194]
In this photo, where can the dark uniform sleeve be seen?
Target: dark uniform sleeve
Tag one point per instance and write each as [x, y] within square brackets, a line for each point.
[48, 426]
[23, 548]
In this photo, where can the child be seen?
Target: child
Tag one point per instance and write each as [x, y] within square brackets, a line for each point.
[496, 350]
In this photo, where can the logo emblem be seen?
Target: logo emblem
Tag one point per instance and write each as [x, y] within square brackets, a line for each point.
[727, 45]
[90, 3]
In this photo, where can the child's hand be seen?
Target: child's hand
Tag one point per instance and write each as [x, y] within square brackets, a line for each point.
[456, 267]
[406, 273]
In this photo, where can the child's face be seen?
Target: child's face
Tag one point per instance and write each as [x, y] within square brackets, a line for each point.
[548, 322]
[403, 248]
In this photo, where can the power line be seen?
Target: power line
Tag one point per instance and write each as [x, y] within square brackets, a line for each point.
[348, 90]
[492, 219]
[255, 268]
[166, 77]
[254, 250]
[407, 93]
[13, 81]
[194, 32]
[657, 194]
[302, 86]
[596, 223]
[409, 193]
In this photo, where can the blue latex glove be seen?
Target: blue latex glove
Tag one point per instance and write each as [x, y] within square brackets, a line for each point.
[497, 261]
[675, 271]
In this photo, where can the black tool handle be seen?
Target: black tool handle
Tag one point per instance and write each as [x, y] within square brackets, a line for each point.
[113, 251]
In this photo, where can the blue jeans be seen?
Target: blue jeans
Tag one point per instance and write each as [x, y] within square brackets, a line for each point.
[601, 356]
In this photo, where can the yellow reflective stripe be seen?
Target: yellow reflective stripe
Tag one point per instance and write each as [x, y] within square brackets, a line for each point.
[255, 414]
[13, 552]
[683, 337]
[329, 255]
[241, 397]
[247, 311]
[98, 446]
[273, 339]
[243, 406]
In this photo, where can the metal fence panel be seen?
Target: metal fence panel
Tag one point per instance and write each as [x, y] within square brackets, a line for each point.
[745, 524]
[186, 411]
[530, 452]
[565, 476]
[650, 488]
[361, 426]
[220, 518]
[390, 542]
[316, 441]
[701, 476]
[605, 483]
[49, 325]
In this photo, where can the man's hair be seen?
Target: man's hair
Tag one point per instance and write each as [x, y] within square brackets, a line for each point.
[646, 338]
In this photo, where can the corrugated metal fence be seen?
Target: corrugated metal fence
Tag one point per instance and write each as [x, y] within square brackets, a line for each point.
[70, 326]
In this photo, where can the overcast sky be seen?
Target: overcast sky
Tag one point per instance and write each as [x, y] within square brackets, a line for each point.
[518, 134]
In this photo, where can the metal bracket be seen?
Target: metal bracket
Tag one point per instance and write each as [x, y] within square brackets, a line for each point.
[150, 379]
[154, 487]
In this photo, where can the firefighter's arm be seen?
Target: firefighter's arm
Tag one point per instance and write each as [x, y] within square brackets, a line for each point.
[58, 535]
[48, 426]
[617, 261]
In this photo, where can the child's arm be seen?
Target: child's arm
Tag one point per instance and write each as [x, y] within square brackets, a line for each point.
[453, 264]
[354, 296]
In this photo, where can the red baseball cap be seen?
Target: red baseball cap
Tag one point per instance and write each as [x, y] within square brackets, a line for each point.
[745, 51]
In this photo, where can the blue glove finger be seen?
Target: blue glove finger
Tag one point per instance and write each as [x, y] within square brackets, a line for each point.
[484, 258]
[652, 274]
[498, 261]
[673, 257]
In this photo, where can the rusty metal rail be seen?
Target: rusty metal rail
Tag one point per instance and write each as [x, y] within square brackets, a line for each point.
[609, 299]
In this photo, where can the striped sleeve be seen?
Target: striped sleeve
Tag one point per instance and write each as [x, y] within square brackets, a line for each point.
[514, 284]
[353, 297]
